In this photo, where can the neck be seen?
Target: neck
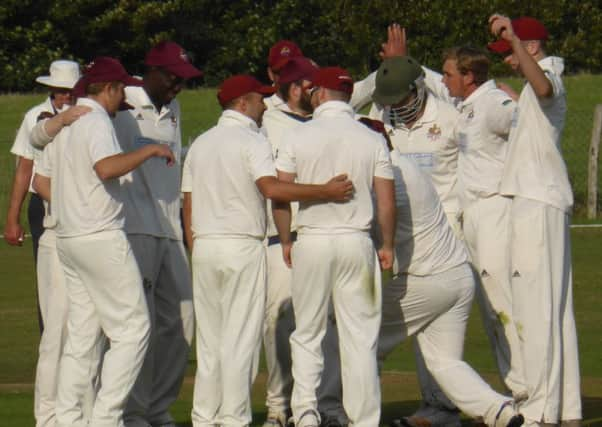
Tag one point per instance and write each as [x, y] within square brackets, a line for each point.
[469, 90]
[101, 100]
[152, 96]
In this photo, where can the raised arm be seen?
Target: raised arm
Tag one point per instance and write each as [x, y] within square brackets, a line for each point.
[501, 27]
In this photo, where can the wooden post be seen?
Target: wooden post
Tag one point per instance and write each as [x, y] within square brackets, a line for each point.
[592, 170]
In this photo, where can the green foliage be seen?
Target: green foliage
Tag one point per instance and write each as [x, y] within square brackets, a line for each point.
[226, 37]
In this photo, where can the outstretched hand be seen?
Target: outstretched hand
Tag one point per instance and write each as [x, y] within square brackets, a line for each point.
[339, 188]
[396, 44]
[501, 26]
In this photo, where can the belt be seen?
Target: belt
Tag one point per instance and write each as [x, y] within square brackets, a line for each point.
[275, 240]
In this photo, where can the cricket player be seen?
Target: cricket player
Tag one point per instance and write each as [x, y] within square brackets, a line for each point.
[153, 226]
[52, 295]
[486, 114]
[422, 127]
[279, 320]
[333, 252]
[79, 172]
[536, 178]
[228, 173]
[430, 296]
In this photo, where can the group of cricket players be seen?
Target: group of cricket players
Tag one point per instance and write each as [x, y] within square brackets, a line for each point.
[325, 235]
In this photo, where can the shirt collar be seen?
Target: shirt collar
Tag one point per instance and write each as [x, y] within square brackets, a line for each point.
[553, 63]
[333, 108]
[234, 118]
[137, 97]
[485, 87]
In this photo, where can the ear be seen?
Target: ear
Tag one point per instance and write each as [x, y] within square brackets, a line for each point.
[468, 78]
[533, 47]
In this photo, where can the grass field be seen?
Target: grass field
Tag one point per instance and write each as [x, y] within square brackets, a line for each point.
[19, 338]
[19, 335]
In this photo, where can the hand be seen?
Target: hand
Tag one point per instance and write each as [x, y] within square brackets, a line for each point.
[72, 114]
[162, 150]
[286, 253]
[501, 26]
[14, 234]
[385, 256]
[339, 188]
[396, 44]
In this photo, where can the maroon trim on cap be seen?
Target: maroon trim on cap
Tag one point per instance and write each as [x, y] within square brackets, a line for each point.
[297, 68]
[334, 78]
[500, 46]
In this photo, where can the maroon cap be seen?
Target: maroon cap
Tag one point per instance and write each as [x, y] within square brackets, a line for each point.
[297, 68]
[107, 69]
[334, 78]
[173, 58]
[281, 52]
[240, 85]
[525, 28]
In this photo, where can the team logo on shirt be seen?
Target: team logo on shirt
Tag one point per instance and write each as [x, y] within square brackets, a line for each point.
[434, 132]
[174, 121]
[470, 115]
[139, 117]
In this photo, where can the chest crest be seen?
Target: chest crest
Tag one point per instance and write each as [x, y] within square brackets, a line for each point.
[434, 132]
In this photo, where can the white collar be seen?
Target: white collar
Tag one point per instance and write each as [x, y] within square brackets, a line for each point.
[334, 108]
[235, 118]
[485, 87]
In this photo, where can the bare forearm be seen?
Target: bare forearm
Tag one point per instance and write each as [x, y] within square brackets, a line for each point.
[282, 219]
[288, 192]
[531, 70]
[19, 189]
[187, 219]
[386, 220]
[120, 164]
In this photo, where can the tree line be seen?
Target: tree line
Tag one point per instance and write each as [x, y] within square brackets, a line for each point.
[226, 37]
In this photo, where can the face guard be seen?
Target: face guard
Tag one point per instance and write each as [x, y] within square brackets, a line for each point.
[407, 111]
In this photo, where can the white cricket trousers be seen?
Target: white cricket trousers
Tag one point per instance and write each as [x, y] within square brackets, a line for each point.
[436, 308]
[229, 281]
[487, 236]
[165, 274]
[54, 303]
[542, 292]
[279, 324]
[105, 296]
[341, 267]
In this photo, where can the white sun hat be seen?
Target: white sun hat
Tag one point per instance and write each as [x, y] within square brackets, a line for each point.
[63, 74]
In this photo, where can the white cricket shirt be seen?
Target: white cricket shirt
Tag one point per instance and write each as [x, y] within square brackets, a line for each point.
[534, 166]
[151, 191]
[333, 142]
[22, 146]
[482, 130]
[81, 202]
[425, 243]
[275, 124]
[220, 171]
[432, 144]
[274, 102]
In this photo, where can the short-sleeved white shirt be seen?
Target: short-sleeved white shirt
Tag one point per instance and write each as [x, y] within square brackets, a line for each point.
[275, 124]
[424, 241]
[274, 102]
[483, 129]
[151, 191]
[220, 171]
[535, 168]
[81, 202]
[332, 143]
[432, 144]
[22, 146]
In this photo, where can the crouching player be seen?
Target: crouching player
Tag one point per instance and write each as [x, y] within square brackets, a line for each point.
[430, 296]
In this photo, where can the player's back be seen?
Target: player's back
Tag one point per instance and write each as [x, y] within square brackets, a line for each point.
[331, 144]
[425, 242]
[220, 170]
